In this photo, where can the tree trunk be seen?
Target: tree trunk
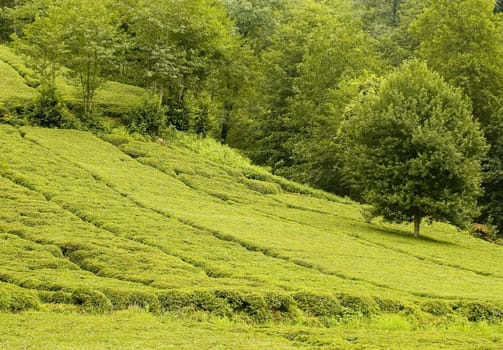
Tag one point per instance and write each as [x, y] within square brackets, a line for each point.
[417, 223]
[161, 97]
[394, 12]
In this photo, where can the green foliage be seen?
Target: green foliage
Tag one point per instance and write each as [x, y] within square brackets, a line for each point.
[252, 306]
[388, 22]
[148, 119]
[480, 311]
[437, 307]
[58, 297]
[466, 50]
[498, 7]
[50, 112]
[180, 51]
[318, 305]
[91, 300]
[414, 150]
[460, 40]
[76, 34]
[358, 305]
[256, 20]
[262, 186]
[302, 91]
[15, 299]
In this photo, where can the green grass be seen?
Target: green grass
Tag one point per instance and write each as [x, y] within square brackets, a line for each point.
[13, 87]
[135, 329]
[192, 232]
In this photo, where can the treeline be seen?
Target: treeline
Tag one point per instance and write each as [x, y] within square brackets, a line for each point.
[286, 81]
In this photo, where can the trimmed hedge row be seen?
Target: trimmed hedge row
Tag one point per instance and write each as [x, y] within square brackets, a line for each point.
[473, 311]
[256, 307]
[15, 299]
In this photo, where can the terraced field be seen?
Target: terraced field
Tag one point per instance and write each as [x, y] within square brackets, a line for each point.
[189, 237]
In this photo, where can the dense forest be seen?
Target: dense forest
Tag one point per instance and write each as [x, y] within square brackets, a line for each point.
[397, 103]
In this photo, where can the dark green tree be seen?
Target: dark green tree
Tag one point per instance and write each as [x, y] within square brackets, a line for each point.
[499, 6]
[462, 41]
[413, 149]
[5, 22]
[302, 90]
[256, 20]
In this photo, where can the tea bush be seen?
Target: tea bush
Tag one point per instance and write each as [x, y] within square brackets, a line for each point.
[359, 305]
[388, 305]
[15, 299]
[261, 186]
[91, 300]
[436, 307]
[123, 299]
[59, 297]
[318, 305]
[49, 111]
[476, 311]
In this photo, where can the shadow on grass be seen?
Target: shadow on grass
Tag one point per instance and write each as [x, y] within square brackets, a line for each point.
[399, 233]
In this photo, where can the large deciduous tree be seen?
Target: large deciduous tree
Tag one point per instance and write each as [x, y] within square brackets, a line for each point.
[462, 41]
[414, 150]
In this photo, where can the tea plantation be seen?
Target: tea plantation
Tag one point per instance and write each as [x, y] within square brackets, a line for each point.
[115, 243]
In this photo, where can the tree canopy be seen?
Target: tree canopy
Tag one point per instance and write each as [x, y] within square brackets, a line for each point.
[413, 149]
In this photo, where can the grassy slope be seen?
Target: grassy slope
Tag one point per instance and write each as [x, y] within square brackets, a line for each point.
[17, 79]
[237, 257]
[137, 220]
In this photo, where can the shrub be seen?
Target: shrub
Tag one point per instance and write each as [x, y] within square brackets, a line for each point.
[358, 305]
[254, 307]
[279, 302]
[480, 311]
[436, 307]
[13, 298]
[59, 297]
[249, 304]
[208, 301]
[24, 300]
[261, 186]
[175, 300]
[125, 299]
[486, 232]
[48, 111]
[4, 299]
[5, 115]
[91, 300]
[147, 119]
[388, 305]
[115, 139]
[10, 116]
[318, 305]
[178, 114]
[94, 121]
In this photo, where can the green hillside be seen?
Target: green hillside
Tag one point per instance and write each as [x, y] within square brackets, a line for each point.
[18, 82]
[187, 236]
